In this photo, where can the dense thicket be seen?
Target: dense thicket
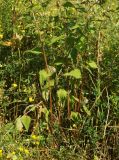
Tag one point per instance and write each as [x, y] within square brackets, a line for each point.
[59, 73]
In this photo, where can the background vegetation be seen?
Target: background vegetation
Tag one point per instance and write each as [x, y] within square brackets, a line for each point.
[59, 79]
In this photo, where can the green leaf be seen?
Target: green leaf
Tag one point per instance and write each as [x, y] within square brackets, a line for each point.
[26, 120]
[46, 114]
[62, 94]
[92, 64]
[75, 98]
[74, 73]
[68, 4]
[19, 125]
[44, 76]
[75, 26]
[74, 115]
[58, 63]
[87, 110]
[35, 51]
[50, 83]
[56, 39]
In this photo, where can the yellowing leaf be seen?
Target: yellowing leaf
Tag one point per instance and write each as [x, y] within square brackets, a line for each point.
[19, 125]
[7, 43]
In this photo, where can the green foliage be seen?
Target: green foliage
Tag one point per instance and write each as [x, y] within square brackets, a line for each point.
[44, 75]
[59, 76]
[74, 73]
[62, 94]
[92, 65]
[26, 120]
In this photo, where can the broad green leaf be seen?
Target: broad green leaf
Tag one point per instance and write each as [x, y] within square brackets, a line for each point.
[62, 94]
[19, 125]
[87, 110]
[26, 120]
[74, 73]
[92, 64]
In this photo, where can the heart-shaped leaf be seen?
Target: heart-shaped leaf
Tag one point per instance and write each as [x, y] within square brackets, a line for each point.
[26, 120]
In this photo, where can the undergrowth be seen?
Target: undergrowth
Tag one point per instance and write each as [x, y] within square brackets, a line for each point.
[59, 74]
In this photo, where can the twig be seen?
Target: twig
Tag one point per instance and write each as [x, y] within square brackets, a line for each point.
[108, 111]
